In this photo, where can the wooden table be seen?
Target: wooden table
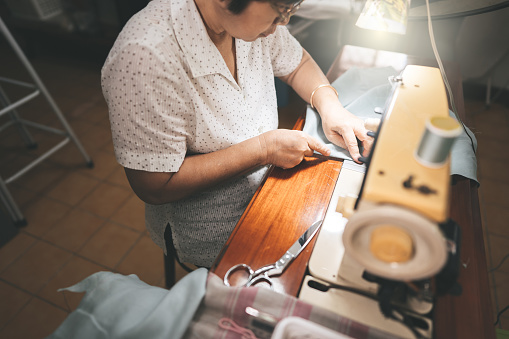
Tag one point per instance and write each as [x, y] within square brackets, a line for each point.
[290, 200]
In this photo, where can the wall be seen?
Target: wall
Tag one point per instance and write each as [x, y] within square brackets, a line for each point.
[480, 43]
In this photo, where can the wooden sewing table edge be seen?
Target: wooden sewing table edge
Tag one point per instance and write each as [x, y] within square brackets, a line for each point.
[289, 201]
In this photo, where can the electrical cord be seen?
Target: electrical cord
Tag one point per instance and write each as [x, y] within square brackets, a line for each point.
[499, 314]
[500, 263]
[404, 319]
[444, 76]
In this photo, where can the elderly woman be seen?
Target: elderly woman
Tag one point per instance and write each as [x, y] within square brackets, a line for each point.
[193, 110]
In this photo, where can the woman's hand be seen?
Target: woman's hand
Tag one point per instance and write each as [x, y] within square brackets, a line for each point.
[287, 148]
[342, 128]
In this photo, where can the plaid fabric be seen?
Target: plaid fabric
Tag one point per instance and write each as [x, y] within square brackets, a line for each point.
[230, 302]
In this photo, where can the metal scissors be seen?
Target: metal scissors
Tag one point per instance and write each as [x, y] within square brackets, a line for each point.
[263, 273]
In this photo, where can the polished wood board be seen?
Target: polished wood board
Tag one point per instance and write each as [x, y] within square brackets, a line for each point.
[287, 203]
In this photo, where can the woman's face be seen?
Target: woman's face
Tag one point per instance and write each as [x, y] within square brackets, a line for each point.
[258, 20]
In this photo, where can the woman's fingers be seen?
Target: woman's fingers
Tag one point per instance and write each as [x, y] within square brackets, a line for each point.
[286, 148]
[316, 145]
[351, 144]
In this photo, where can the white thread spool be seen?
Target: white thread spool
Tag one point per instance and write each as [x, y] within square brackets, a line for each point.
[437, 140]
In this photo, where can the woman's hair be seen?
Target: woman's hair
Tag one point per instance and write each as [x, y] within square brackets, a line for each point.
[238, 6]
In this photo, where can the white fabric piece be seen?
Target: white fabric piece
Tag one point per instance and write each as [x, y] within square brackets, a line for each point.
[360, 92]
[119, 306]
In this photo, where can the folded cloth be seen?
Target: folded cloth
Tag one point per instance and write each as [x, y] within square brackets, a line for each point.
[119, 306]
[361, 90]
[198, 306]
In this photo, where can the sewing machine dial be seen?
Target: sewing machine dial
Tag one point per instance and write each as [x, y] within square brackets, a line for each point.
[395, 243]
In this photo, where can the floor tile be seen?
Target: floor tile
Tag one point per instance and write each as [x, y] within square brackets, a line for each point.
[105, 200]
[21, 196]
[73, 188]
[145, 260]
[497, 220]
[131, 214]
[504, 321]
[492, 130]
[40, 177]
[501, 280]
[36, 266]
[92, 137]
[493, 123]
[74, 271]
[42, 214]
[473, 108]
[108, 147]
[39, 111]
[69, 157]
[499, 249]
[46, 141]
[109, 245]
[36, 320]
[89, 89]
[496, 170]
[97, 138]
[494, 192]
[119, 178]
[66, 104]
[493, 296]
[13, 300]
[10, 136]
[15, 248]
[104, 165]
[491, 149]
[95, 111]
[478, 111]
[74, 230]
[16, 161]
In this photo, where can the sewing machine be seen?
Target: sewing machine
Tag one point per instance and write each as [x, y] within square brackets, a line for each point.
[289, 200]
[387, 246]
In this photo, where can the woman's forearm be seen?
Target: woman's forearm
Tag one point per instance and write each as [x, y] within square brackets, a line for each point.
[197, 172]
[282, 148]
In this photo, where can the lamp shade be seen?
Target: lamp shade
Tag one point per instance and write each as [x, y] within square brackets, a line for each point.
[385, 15]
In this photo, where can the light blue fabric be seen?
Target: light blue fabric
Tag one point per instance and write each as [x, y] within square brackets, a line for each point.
[361, 91]
[119, 306]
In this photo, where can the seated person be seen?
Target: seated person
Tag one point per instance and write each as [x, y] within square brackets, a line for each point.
[193, 111]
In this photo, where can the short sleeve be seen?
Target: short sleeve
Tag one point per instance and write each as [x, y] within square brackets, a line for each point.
[149, 110]
[285, 51]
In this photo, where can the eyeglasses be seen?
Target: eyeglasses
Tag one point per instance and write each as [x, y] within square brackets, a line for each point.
[285, 11]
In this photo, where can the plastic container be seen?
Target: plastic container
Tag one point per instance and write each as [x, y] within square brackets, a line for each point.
[299, 328]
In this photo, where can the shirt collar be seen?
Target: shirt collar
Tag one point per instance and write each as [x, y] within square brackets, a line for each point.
[192, 37]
